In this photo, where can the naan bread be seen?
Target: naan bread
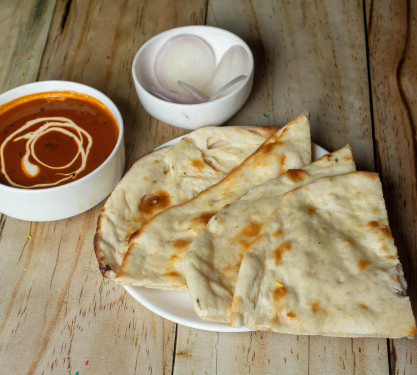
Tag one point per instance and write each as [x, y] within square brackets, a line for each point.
[156, 251]
[166, 177]
[213, 260]
[326, 264]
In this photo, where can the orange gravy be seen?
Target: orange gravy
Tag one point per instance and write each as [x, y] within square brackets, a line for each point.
[50, 139]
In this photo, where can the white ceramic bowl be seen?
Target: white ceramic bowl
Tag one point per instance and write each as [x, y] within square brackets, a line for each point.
[75, 197]
[190, 116]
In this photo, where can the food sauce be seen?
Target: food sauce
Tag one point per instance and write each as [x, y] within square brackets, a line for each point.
[50, 139]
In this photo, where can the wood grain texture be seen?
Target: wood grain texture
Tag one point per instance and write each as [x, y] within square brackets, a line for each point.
[347, 356]
[392, 35]
[309, 55]
[24, 29]
[56, 310]
[66, 313]
[200, 352]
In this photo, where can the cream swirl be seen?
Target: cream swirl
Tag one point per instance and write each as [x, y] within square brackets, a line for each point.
[51, 124]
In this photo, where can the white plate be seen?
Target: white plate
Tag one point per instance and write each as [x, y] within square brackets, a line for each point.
[176, 305]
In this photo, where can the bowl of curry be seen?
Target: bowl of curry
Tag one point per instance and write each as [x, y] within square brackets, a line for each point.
[61, 150]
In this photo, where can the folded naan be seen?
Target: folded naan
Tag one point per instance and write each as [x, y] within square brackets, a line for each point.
[156, 251]
[213, 259]
[326, 264]
[166, 177]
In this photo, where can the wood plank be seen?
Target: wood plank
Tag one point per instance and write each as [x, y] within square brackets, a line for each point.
[394, 80]
[309, 56]
[201, 352]
[348, 356]
[65, 313]
[62, 312]
[24, 29]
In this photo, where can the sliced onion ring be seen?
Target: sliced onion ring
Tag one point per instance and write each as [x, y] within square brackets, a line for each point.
[174, 97]
[234, 63]
[226, 87]
[193, 92]
[186, 58]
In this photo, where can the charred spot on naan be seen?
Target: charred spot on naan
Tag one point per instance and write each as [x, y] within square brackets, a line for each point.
[363, 264]
[279, 159]
[181, 243]
[277, 233]
[382, 226]
[102, 262]
[155, 202]
[172, 274]
[105, 269]
[296, 175]
[311, 210]
[384, 248]
[281, 317]
[180, 247]
[197, 165]
[204, 218]
[252, 229]
[247, 236]
[245, 244]
[280, 250]
[291, 315]
[279, 293]
[315, 307]
[373, 224]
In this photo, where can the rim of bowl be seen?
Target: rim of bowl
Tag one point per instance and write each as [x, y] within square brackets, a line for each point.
[115, 112]
[222, 98]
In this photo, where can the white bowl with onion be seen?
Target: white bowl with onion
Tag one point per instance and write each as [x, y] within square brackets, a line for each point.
[47, 203]
[193, 76]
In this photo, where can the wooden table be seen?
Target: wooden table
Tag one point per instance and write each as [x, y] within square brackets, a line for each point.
[351, 64]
